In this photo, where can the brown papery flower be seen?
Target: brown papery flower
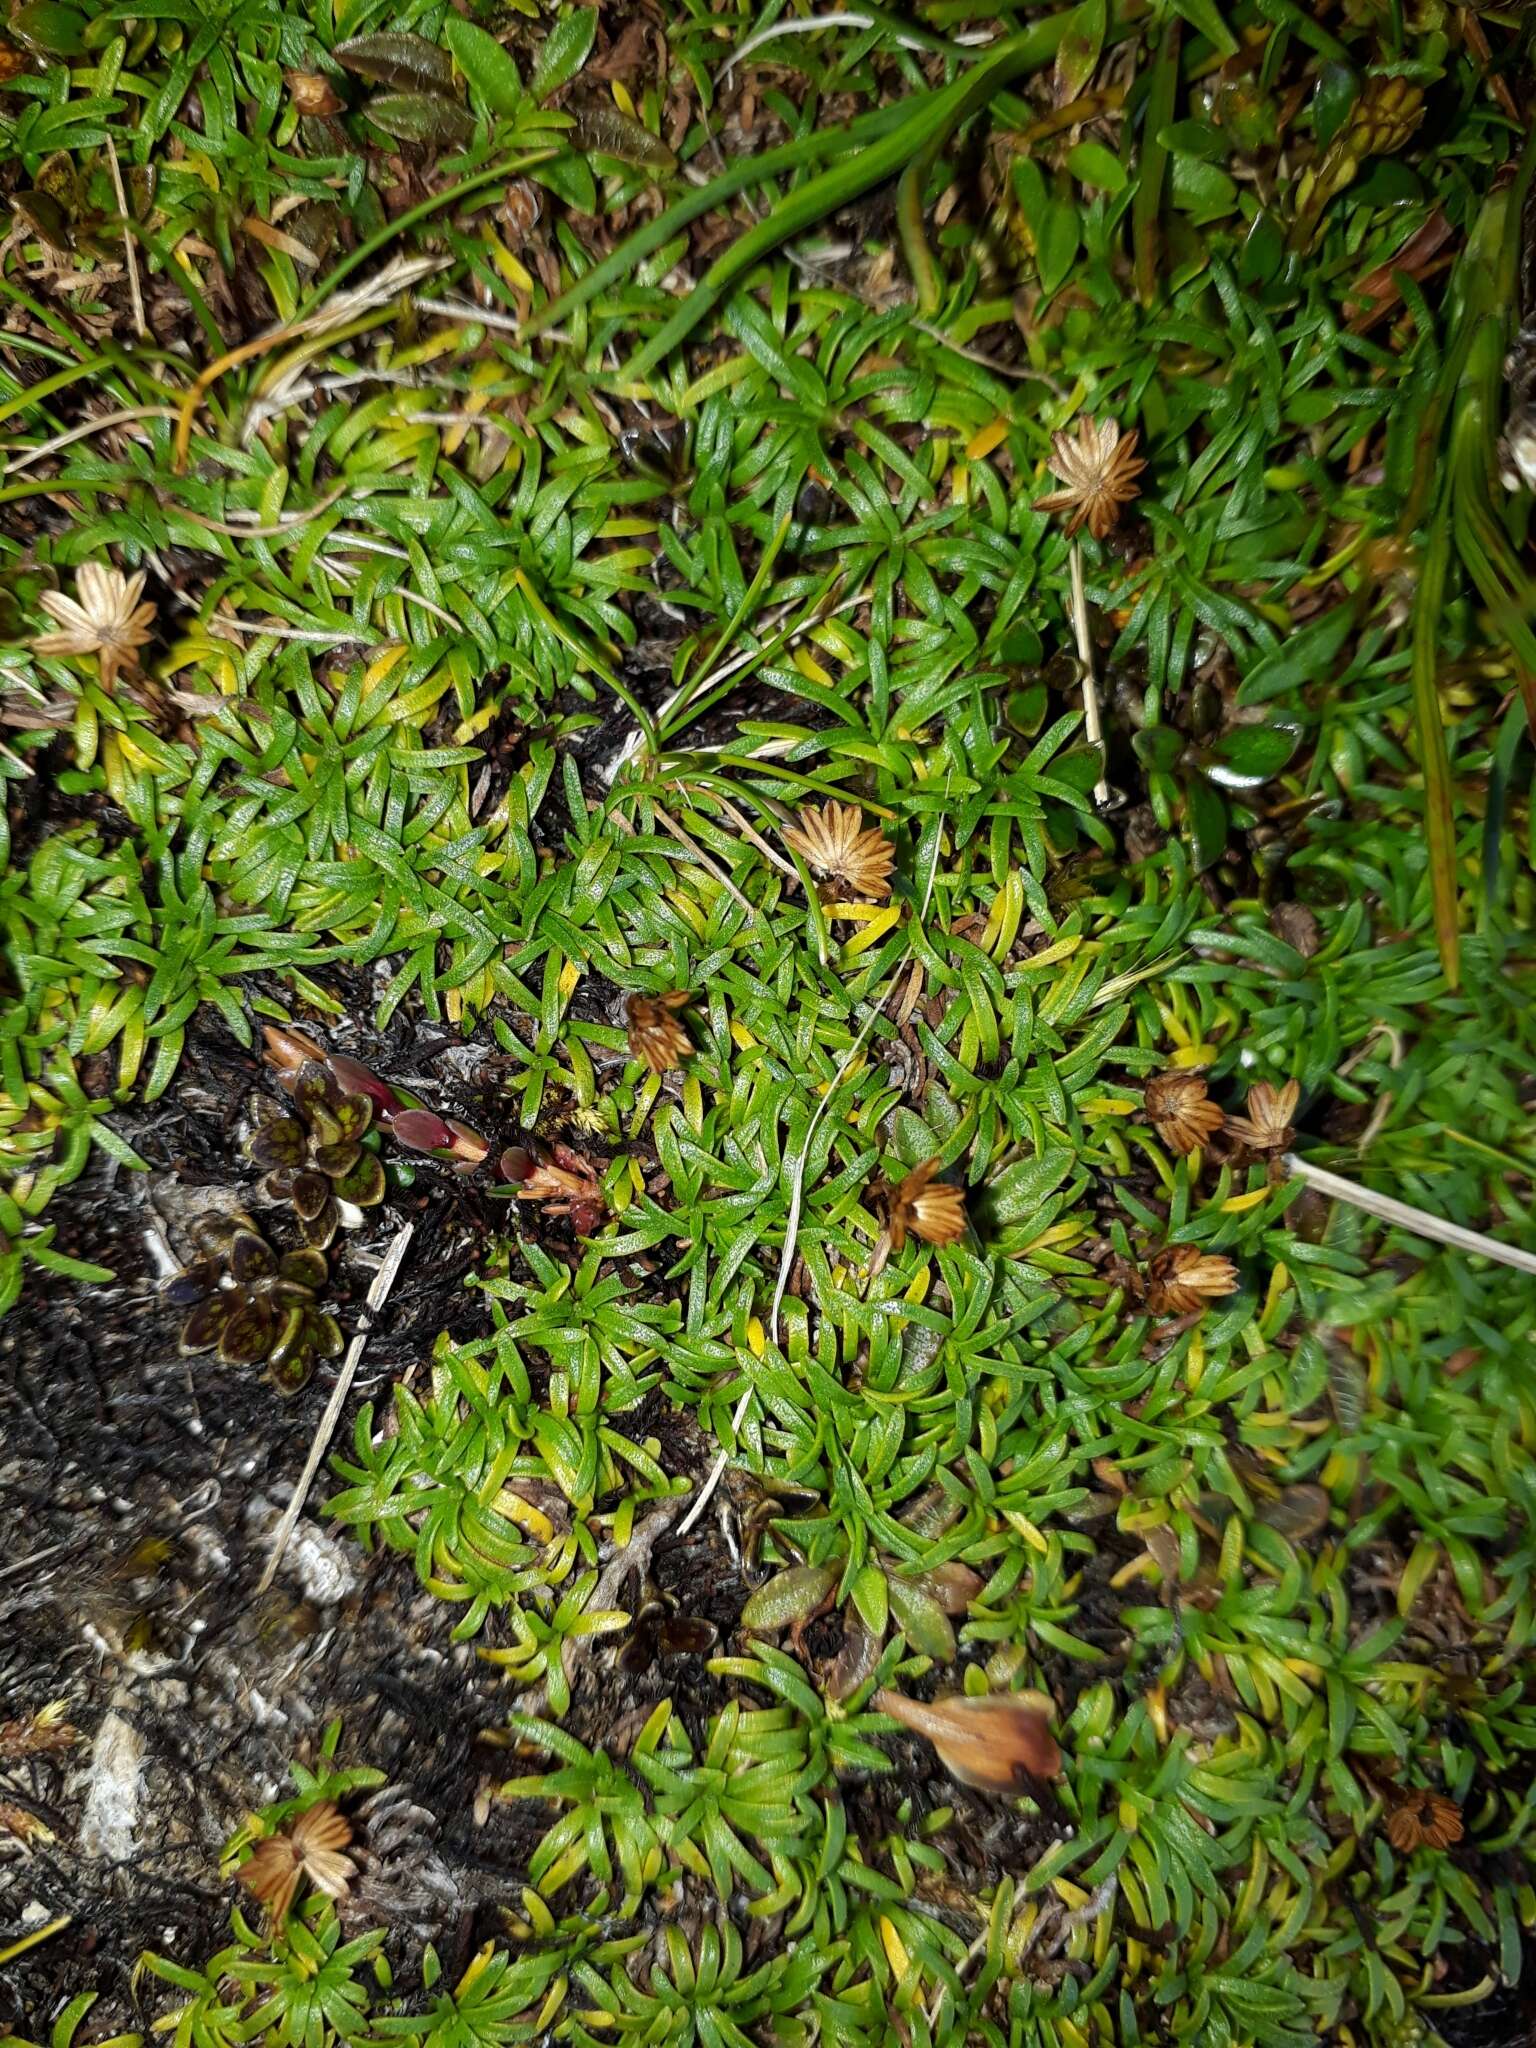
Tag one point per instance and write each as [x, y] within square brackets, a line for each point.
[921, 1207]
[570, 1186]
[1423, 1820]
[104, 618]
[834, 844]
[1183, 1278]
[997, 1743]
[1267, 1127]
[309, 1847]
[655, 1036]
[1099, 471]
[1180, 1111]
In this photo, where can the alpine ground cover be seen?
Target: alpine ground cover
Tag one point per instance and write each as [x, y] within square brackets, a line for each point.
[812, 685]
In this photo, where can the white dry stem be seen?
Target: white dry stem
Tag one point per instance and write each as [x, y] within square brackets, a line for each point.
[791, 1238]
[378, 1293]
[128, 249]
[846, 19]
[125, 417]
[1091, 723]
[1419, 1221]
[710, 865]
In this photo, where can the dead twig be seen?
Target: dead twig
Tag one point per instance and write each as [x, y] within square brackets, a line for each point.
[1406, 1217]
[378, 1293]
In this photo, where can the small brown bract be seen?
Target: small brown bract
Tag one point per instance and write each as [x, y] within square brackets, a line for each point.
[921, 1207]
[1099, 472]
[655, 1036]
[1180, 1111]
[309, 1847]
[1424, 1820]
[312, 94]
[1183, 1279]
[569, 1185]
[104, 618]
[22, 1826]
[835, 844]
[45, 1733]
[997, 1743]
[1268, 1126]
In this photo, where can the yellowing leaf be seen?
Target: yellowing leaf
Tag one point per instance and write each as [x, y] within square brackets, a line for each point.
[876, 925]
[896, 1954]
[1027, 1530]
[991, 436]
[524, 1515]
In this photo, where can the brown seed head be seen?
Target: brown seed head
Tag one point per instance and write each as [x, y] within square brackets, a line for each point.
[1182, 1279]
[1422, 1819]
[1267, 1127]
[22, 1826]
[45, 1733]
[1180, 1111]
[309, 1847]
[834, 844]
[997, 1743]
[922, 1207]
[1099, 472]
[655, 1036]
[104, 618]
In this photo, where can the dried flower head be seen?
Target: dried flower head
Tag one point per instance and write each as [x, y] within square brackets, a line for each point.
[309, 1847]
[1421, 1819]
[45, 1733]
[569, 1185]
[835, 844]
[22, 1826]
[1180, 1111]
[104, 618]
[655, 1036]
[1099, 473]
[313, 94]
[1182, 1279]
[1267, 1127]
[997, 1743]
[920, 1207]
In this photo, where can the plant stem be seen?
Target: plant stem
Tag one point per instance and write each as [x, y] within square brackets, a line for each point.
[1091, 721]
[383, 1280]
[1419, 1221]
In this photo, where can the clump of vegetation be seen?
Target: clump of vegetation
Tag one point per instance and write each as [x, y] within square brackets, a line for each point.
[313, 1153]
[255, 1306]
[890, 656]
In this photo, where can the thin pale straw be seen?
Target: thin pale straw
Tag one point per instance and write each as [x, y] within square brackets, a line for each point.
[1406, 1217]
[383, 1280]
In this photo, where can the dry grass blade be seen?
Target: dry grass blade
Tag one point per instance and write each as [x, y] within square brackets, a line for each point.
[378, 1294]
